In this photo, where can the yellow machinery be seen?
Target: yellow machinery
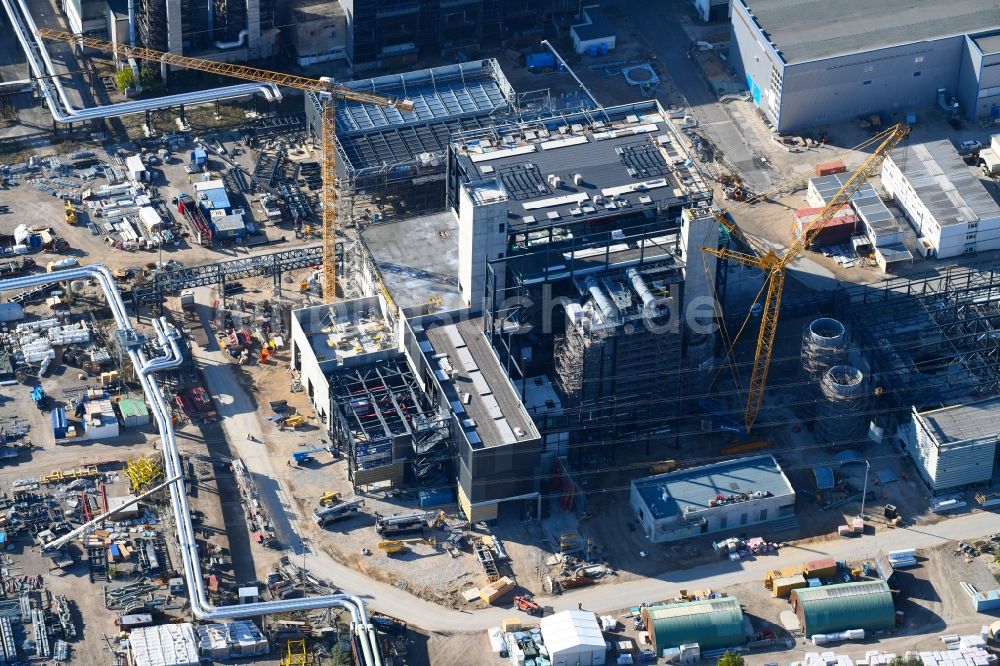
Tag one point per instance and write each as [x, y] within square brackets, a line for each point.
[773, 265]
[70, 213]
[59, 475]
[142, 471]
[397, 546]
[747, 446]
[329, 498]
[295, 654]
[325, 88]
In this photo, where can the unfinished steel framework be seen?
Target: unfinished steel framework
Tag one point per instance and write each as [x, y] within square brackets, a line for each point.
[385, 424]
[187, 26]
[932, 340]
[391, 162]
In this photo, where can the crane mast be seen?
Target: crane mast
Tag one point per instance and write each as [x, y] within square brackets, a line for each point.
[328, 92]
[774, 265]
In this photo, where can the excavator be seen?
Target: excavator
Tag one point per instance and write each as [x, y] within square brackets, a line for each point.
[774, 266]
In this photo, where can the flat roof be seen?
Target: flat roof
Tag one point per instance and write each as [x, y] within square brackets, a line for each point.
[961, 423]
[484, 400]
[672, 493]
[628, 157]
[988, 42]
[596, 28]
[418, 260]
[944, 183]
[304, 11]
[346, 329]
[804, 30]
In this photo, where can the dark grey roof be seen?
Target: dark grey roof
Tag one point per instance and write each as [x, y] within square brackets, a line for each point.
[988, 42]
[949, 189]
[495, 409]
[669, 494]
[623, 146]
[598, 26]
[805, 30]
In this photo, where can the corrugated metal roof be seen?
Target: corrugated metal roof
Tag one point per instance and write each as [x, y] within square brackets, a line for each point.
[712, 623]
[867, 605]
[132, 407]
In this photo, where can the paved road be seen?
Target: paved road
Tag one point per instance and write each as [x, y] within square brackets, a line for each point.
[239, 417]
[661, 29]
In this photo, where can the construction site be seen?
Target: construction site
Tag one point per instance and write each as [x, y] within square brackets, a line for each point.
[504, 358]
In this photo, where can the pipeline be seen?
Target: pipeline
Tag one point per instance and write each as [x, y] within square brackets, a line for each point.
[604, 303]
[172, 357]
[651, 303]
[62, 109]
[244, 33]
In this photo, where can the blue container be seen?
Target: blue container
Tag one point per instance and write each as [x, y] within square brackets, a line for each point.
[592, 51]
[537, 62]
[59, 423]
[603, 49]
[35, 243]
[436, 497]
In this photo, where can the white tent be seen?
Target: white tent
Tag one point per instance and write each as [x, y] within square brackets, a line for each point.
[573, 638]
[150, 218]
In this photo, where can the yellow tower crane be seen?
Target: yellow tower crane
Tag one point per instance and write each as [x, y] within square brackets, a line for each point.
[774, 265]
[325, 88]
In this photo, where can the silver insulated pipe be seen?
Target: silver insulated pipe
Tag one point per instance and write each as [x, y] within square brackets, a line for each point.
[167, 340]
[603, 302]
[650, 301]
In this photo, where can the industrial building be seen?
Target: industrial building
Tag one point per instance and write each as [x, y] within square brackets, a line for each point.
[573, 638]
[810, 64]
[459, 300]
[394, 36]
[318, 32]
[711, 623]
[712, 498]
[954, 447]
[928, 340]
[950, 210]
[392, 162]
[164, 645]
[595, 35]
[827, 609]
[232, 30]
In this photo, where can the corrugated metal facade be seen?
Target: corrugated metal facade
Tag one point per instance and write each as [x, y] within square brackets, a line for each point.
[712, 623]
[867, 605]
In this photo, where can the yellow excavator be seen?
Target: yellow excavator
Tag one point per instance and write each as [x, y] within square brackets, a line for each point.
[328, 498]
[70, 213]
[397, 546]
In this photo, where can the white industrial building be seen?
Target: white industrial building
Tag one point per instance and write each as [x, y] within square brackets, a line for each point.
[233, 640]
[712, 498]
[99, 421]
[948, 208]
[164, 645]
[573, 638]
[954, 446]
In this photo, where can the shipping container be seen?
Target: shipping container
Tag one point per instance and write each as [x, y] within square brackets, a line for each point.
[783, 586]
[822, 568]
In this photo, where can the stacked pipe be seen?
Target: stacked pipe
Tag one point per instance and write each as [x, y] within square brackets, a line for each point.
[841, 415]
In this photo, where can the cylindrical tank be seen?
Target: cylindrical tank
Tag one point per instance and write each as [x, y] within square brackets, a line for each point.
[824, 345]
[840, 416]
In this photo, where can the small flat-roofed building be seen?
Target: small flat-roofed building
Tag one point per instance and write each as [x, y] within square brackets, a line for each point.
[947, 205]
[712, 498]
[595, 33]
[955, 446]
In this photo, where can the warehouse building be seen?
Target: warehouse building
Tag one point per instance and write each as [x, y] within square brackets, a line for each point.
[573, 638]
[164, 645]
[954, 447]
[828, 609]
[712, 498]
[809, 64]
[711, 623]
[945, 202]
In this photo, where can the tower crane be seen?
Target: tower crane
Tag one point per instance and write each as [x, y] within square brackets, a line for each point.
[328, 92]
[774, 265]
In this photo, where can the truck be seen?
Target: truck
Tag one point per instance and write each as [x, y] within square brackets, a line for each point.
[15, 267]
[325, 515]
[187, 304]
[989, 157]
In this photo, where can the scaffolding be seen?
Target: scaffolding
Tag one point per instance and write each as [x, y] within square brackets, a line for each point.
[296, 654]
[387, 426]
[930, 340]
[142, 471]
